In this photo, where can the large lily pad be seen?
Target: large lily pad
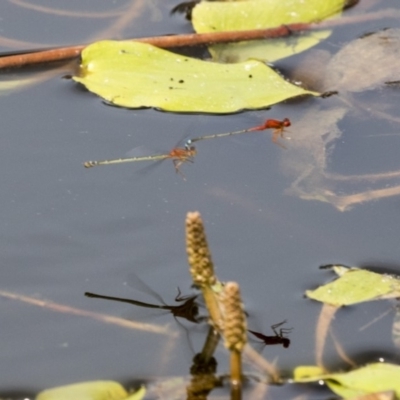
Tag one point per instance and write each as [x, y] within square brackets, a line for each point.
[133, 75]
[217, 16]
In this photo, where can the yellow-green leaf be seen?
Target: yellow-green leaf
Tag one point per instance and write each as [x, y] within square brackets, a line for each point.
[356, 285]
[96, 390]
[369, 379]
[133, 75]
[210, 16]
[307, 372]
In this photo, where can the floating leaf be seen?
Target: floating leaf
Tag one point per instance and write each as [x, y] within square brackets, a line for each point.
[369, 379]
[356, 285]
[133, 75]
[96, 390]
[262, 14]
[305, 372]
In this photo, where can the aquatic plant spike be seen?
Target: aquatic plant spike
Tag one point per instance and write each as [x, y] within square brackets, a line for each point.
[372, 378]
[235, 324]
[356, 285]
[95, 390]
[235, 333]
[262, 14]
[202, 267]
[135, 75]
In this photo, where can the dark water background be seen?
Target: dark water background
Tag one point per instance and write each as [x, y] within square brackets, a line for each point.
[65, 230]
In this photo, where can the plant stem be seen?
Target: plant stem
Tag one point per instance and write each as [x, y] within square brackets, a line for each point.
[236, 374]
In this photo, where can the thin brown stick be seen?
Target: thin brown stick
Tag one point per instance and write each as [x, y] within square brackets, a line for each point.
[67, 53]
[194, 39]
[39, 57]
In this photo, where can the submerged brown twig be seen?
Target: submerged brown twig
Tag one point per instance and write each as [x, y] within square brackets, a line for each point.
[195, 39]
[61, 308]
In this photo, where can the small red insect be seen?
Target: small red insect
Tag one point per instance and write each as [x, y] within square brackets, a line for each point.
[180, 155]
[277, 126]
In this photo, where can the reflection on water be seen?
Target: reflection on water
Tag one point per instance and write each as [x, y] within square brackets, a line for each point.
[319, 129]
[188, 310]
[65, 229]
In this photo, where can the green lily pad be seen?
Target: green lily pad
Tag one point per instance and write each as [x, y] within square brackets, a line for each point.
[371, 378]
[133, 75]
[96, 390]
[220, 16]
[356, 285]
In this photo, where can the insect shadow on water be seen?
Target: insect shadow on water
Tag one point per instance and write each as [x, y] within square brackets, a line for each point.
[278, 338]
[188, 310]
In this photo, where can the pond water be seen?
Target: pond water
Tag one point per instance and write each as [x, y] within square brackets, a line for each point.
[66, 230]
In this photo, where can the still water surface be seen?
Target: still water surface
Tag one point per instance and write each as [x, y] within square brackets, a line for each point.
[66, 230]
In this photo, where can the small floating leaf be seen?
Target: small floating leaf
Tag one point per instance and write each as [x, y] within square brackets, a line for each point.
[210, 16]
[304, 372]
[369, 379]
[133, 75]
[96, 390]
[356, 285]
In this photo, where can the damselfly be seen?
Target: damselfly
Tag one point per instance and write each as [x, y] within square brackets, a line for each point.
[178, 155]
[277, 126]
